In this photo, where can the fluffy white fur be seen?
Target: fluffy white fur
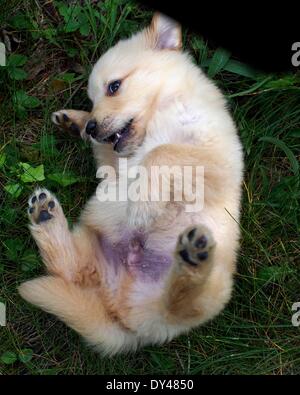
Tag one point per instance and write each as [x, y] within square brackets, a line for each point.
[180, 117]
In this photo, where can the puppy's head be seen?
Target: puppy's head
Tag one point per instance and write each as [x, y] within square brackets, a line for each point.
[126, 82]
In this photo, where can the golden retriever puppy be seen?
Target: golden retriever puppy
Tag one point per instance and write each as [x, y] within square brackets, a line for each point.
[141, 271]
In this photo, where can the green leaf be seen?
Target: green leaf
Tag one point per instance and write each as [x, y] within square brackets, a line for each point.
[281, 145]
[31, 102]
[29, 261]
[49, 33]
[284, 82]
[2, 159]
[22, 99]
[21, 21]
[16, 60]
[85, 29]
[236, 67]
[13, 189]
[13, 248]
[239, 68]
[63, 9]
[8, 358]
[17, 74]
[67, 77]
[218, 61]
[25, 355]
[71, 26]
[113, 15]
[68, 12]
[32, 174]
[63, 179]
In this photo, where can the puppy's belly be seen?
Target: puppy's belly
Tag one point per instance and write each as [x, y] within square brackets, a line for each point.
[131, 252]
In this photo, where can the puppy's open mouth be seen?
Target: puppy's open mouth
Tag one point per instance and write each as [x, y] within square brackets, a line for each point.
[118, 137]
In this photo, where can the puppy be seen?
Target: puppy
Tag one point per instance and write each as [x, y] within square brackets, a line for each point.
[133, 273]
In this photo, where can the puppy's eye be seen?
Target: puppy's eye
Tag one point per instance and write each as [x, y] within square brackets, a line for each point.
[113, 87]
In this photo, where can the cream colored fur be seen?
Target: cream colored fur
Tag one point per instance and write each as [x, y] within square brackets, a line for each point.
[180, 118]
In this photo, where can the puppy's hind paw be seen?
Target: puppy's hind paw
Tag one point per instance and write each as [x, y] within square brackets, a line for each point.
[195, 246]
[43, 206]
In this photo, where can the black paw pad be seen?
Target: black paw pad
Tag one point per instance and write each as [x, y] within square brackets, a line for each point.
[201, 242]
[42, 196]
[51, 204]
[202, 256]
[185, 256]
[65, 117]
[31, 210]
[44, 216]
[33, 200]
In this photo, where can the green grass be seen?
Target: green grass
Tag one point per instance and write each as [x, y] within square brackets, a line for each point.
[254, 334]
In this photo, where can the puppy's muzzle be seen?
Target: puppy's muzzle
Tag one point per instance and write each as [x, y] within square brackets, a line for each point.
[116, 137]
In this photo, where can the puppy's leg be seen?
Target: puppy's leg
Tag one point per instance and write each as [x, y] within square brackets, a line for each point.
[192, 293]
[78, 307]
[50, 230]
[72, 121]
[73, 291]
[62, 255]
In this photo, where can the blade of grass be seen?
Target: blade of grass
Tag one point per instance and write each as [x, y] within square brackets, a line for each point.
[281, 145]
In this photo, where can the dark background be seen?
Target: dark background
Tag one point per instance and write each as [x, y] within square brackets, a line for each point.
[258, 33]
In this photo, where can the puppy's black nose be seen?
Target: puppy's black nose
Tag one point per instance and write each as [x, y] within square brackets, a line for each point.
[91, 128]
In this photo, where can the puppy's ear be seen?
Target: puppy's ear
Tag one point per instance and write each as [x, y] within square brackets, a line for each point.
[164, 33]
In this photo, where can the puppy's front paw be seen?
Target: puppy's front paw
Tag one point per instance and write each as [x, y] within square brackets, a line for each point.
[43, 206]
[64, 119]
[195, 245]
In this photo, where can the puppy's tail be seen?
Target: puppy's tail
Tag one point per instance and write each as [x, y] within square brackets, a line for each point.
[80, 308]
